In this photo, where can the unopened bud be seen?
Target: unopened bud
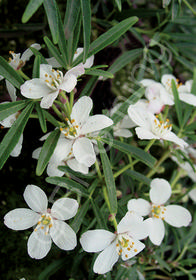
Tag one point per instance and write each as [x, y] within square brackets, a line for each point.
[118, 194]
[111, 217]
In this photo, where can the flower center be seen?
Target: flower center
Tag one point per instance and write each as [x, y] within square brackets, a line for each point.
[160, 128]
[124, 245]
[45, 223]
[54, 79]
[158, 211]
[169, 86]
[72, 130]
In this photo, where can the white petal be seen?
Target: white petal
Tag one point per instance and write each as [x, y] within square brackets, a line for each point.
[147, 82]
[63, 235]
[28, 53]
[138, 116]
[96, 240]
[52, 170]
[138, 247]
[69, 83]
[38, 244]
[53, 62]
[123, 133]
[11, 89]
[156, 230]
[17, 149]
[106, 259]
[177, 216]
[192, 194]
[140, 206]
[188, 98]
[61, 151]
[167, 78]
[96, 123]
[36, 198]
[84, 152]
[21, 218]
[8, 122]
[35, 89]
[48, 100]
[77, 70]
[36, 153]
[64, 208]
[144, 133]
[160, 191]
[127, 123]
[170, 136]
[89, 61]
[81, 110]
[76, 166]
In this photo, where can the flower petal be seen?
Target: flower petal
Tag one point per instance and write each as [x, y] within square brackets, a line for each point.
[177, 216]
[144, 133]
[106, 259]
[96, 123]
[140, 206]
[48, 100]
[36, 198]
[35, 89]
[138, 247]
[156, 230]
[84, 152]
[17, 149]
[76, 166]
[160, 191]
[28, 53]
[96, 240]
[123, 132]
[188, 98]
[77, 70]
[21, 218]
[81, 110]
[64, 208]
[192, 195]
[170, 136]
[12, 91]
[38, 244]
[52, 170]
[63, 235]
[69, 83]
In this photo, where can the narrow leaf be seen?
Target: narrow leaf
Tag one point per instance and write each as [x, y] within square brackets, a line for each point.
[129, 149]
[47, 151]
[100, 72]
[68, 184]
[98, 214]
[86, 20]
[109, 179]
[9, 108]
[138, 176]
[36, 66]
[42, 118]
[31, 8]
[109, 37]
[10, 74]
[193, 89]
[119, 5]
[87, 90]
[12, 136]
[62, 41]
[71, 15]
[178, 105]
[54, 51]
[51, 10]
[78, 219]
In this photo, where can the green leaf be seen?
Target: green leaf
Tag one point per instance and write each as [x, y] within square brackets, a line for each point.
[51, 10]
[78, 219]
[178, 105]
[47, 151]
[99, 72]
[36, 66]
[71, 16]
[68, 184]
[37, 53]
[75, 174]
[124, 59]
[109, 37]
[51, 269]
[119, 5]
[61, 40]
[51, 119]
[87, 90]
[31, 8]
[9, 108]
[54, 51]
[109, 179]
[86, 20]
[98, 214]
[10, 74]
[13, 135]
[42, 118]
[138, 176]
[129, 149]
[193, 89]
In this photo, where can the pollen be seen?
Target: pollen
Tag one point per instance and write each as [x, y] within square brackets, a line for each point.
[47, 81]
[135, 250]
[117, 245]
[72, 121]
[126, 256]
[129, 249]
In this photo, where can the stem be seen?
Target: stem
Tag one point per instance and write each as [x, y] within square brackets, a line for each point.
[177, 177]
[151, 142]
[189, 6]
[182, 253]
[71, 99]
[159, 162]
[108, 205]
[130, 165]
[192, 117]
[23, 74]
[98, 170]
[56, 110]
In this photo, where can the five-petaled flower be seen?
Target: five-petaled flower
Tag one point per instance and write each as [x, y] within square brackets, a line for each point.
[50, 83]
[124, 243]
[150, 127]
[174, 215]
[49, 223]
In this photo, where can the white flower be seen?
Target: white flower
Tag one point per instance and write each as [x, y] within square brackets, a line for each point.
[174, 215]
[88, 64]
[192, 194]
[80, 129]
[149, 127]
[121, 128]
[124, 243]
[50, 83]
[18, 61]
[7, 123]
[49, 223]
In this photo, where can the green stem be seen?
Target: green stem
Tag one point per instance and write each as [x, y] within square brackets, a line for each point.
[56, 110]
[105, 194]
[151, 142]
[71, 99]
[23, 74]
[98, 171]
[181, 254]
[159, 162]
[189, 6]
[192, 119]
[130, 165]
[177, 177]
